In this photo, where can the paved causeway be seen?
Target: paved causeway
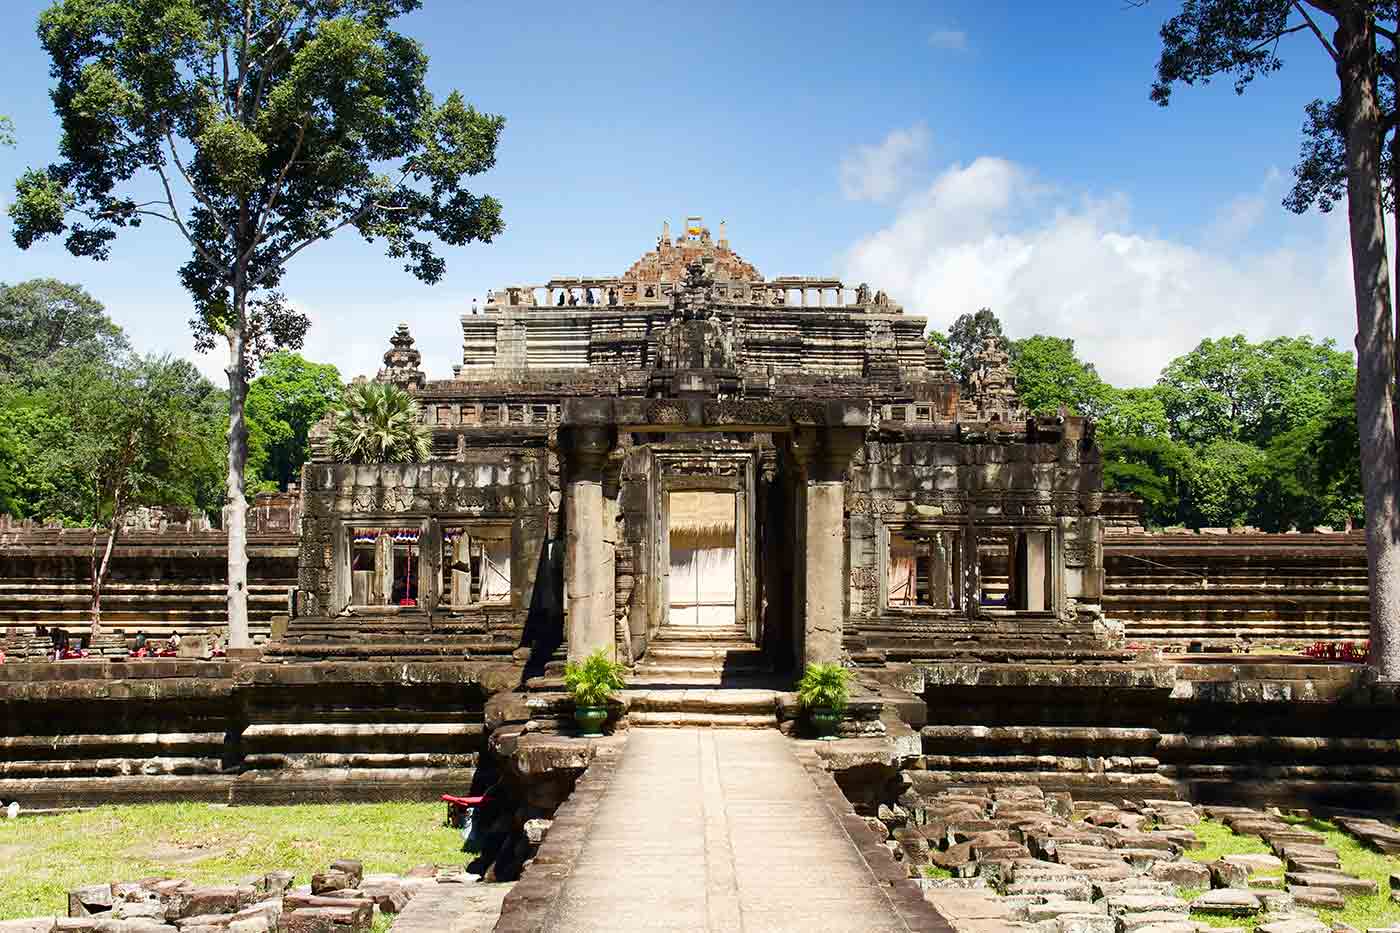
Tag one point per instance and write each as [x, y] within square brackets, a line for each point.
[720, 830]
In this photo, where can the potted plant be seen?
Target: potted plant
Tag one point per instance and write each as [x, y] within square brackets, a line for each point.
[823, 691]
[592, 682]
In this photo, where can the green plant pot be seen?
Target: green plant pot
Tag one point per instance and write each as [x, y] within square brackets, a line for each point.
[825, 721]
[590, 719]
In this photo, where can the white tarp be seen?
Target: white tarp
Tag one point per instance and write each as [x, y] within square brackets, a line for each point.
[702, 585]
[495, 570]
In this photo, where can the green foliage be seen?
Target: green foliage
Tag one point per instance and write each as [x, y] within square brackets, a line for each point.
[377, 422]
[1223, 484]
[824, 685]
[289, 395]
[46, 323]
[1231, 389]
[1153, 468]
[1309, 476]
[286, 120]
[7, 131]
[1049, 375]
[595, 679]
[1135, 412]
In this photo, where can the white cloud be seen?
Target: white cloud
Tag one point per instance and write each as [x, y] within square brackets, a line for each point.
[1047, 261]
[948, 39]
[877, 172]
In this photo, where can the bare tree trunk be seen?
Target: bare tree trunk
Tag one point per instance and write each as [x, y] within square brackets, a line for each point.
[1375, 337]
[100, 571]
[236, 515]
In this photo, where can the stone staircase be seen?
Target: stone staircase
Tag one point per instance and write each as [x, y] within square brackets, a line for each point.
[704, 676]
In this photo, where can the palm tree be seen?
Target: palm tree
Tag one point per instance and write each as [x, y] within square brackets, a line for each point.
[377, 422]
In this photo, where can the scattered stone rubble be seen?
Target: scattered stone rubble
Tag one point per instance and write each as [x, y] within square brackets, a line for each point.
[1024, 859]
[341, 899]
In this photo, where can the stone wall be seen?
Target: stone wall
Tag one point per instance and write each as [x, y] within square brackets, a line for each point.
[88, 732]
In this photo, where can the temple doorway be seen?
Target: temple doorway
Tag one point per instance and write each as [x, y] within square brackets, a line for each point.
[703, 579]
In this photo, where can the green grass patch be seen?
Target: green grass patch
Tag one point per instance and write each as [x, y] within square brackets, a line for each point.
[1221, 840]
[1362, 911]
[43, 857]
[935, 871]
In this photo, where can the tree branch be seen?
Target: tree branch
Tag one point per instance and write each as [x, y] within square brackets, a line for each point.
[174, 154]
[1279, 35]
[175, 219]
[1317, 32]
[260, 218]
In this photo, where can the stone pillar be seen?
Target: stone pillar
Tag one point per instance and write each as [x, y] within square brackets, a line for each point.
[590, 602]
[824, 454]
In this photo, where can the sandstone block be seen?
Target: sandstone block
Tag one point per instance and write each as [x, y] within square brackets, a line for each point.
[131, 910]
[89, 899]
[391, 897]
[35, 925]
[1344, 884]
[1086, 923]
[1056, 907]
[1153, 920]
[1294, 925]
[1074, 889]
[1119, 904]
[1183, 874]
[1255, 861]
[332, 880]
[325, 920]
[277, 882]
[1232, 902]
[1229, 874]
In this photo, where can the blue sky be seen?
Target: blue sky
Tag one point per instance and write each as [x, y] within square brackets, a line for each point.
[953, 154]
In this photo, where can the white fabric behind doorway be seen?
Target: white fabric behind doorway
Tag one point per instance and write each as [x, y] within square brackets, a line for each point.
[702, 583]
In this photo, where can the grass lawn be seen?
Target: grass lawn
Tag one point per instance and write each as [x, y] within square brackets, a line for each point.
[1363, 913]
[42, 857]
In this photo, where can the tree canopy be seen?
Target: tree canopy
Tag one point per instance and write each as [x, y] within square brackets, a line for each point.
[42, 319]
[263, 127]
[289, 395]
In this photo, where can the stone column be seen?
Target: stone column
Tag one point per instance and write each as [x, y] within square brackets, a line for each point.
[590, 602]
[824, 454]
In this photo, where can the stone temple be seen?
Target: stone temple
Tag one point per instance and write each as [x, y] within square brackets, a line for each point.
[690, 448]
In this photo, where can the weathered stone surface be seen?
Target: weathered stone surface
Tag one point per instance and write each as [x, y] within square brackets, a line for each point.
[36, 925]
[89, 899]
[1086, 923]
[1226, 874]
[1150, 919]
[332, 880]
[1229, 901]
[1057, 906]
[1183, 873]
[1255, 861]
[1293, 925]
[325, 920]
[1119, 904]
[1345, 884]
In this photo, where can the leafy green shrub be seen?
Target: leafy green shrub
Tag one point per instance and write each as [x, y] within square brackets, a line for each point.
[825, 685]
[593, 680]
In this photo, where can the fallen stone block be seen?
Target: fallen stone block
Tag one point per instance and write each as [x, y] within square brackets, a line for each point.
[204, 922]
[35, 925]
[1119, 904]
[1169, 926]
[1074, 889]
[1232, 902]
[276, 883]
[1225, 874]
[89, 899]
[1103, 889]
[1184, 873]
[132, 910]
[1344, 884]
[1294, 925]
[391, 897]
[1255, 861]
[1150, 919]
[195, 902]
[1086, 923]
[352, 867]
[303, 901]
[332, 880]
[1056, 907]
[325, 920]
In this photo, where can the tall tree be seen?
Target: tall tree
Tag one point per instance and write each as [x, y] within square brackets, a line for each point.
[42, 318]
[1049, 375]
[1242, 38]
[279, 123]
[284, 401]
[1233, 389]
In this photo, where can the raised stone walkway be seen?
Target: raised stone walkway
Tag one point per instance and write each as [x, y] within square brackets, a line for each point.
[715, 830]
